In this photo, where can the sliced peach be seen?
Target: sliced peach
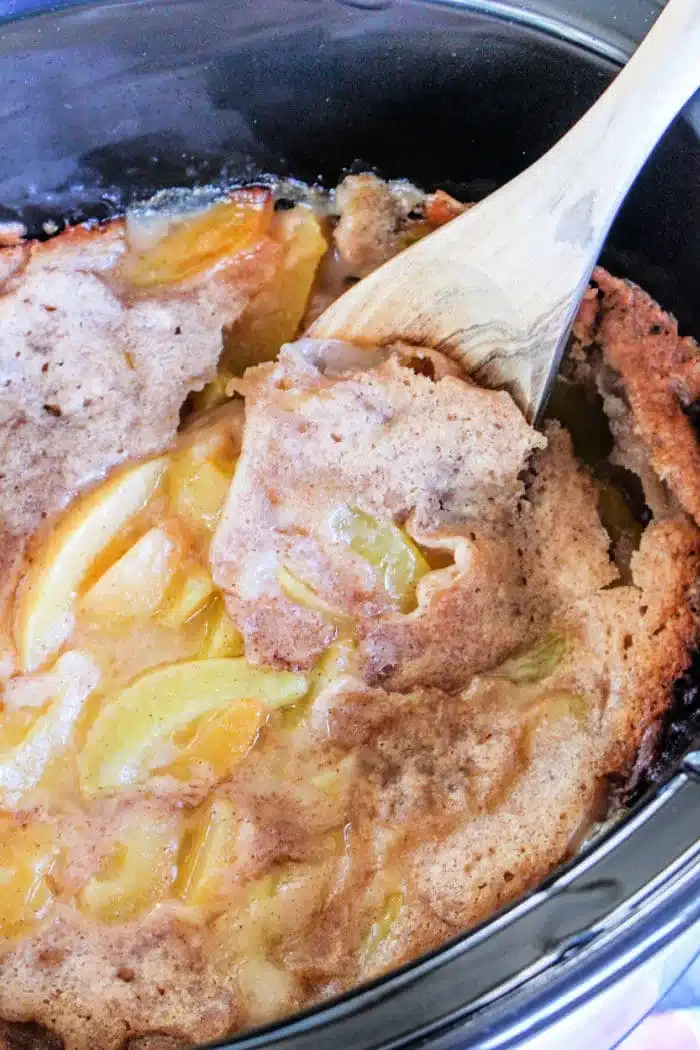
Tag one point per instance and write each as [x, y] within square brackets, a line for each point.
[134, 733]
[301, 594]
[288, 896]
[27, 856]
[274, 316]
[209, 853]
[136, 584]
[197, 491]
[216, 438]
[46, 607]
[216, 742]
[212, 395]
[222, 636]
[388, 548]
[382, 926]
[196, 243]
[335, 664]
[267, 990]
[537, 662]
[22, 766]
[190, 597]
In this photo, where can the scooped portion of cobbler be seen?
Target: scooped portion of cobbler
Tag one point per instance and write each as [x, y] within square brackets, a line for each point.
[312, 655]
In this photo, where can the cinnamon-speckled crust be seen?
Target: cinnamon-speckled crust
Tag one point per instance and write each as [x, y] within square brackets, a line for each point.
[486, 608]
[629, 651]
[665, 634]
[463, 799]
[656, 378]
[440, 455]
[508, 587]
[90, 374]
[102, 986]
[565, 547]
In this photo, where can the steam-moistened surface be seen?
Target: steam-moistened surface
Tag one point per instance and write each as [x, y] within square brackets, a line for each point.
[347, 665]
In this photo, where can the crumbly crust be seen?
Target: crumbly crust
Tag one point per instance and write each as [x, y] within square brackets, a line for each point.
[369, 230]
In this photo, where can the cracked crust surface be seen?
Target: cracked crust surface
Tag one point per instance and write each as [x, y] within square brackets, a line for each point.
[464, 785]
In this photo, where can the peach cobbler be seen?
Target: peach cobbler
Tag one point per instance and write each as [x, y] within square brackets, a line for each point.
[312, 655]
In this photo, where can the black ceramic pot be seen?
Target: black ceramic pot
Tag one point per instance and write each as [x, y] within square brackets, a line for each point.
[101, 103]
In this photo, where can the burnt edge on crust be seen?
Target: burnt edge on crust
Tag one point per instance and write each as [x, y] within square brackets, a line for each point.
[668, 739]
[28, 1035]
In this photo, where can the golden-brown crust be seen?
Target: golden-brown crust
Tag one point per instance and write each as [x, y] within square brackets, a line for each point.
[101, 986]
[565, 547]
[659, 372]
[458, 630]
[665, 633]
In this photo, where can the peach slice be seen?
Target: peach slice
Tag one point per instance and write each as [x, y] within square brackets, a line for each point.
[385, 546]
[136, 584]
[537, 662]
[26, 858]
[301, 594]
[198, 242]
[197, 490]
[134, 733]
[216, 742]
[274, 316]
[382, 926]
[222, 636]
[46, 607]
[210, 852]
[191, 597]
[70, 682]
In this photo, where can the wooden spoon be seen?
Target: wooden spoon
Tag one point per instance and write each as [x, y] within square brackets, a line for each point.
[498, 287]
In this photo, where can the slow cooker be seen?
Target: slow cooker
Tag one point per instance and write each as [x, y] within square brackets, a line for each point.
[105, 103]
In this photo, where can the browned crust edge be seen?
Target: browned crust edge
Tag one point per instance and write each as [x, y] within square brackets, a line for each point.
[660, 373]
[27, 1035]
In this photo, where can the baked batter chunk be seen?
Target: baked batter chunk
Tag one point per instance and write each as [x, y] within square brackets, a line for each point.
[96, 361]
[305, 689]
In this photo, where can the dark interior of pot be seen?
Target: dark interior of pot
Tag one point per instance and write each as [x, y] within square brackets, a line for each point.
[105, 104]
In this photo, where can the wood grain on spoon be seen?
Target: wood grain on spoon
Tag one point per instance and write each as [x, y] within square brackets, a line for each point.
[499, 286]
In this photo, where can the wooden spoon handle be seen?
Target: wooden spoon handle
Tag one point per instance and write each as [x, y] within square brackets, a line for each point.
[599, 158]
[498, 287]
